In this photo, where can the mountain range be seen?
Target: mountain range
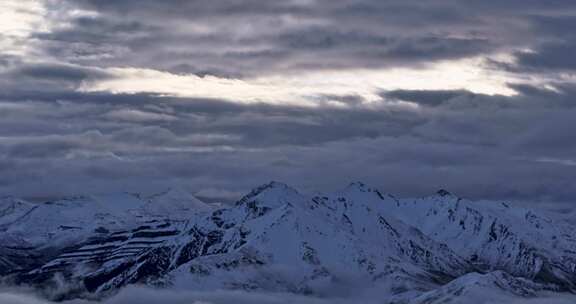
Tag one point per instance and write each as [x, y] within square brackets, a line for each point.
[435, 249]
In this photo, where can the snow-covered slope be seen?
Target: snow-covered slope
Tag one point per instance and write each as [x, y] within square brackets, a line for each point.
[31, 233]
[438, 249]
[286, 242]
[12, 208]
[175, 203]
[476, 288]
[495, 236]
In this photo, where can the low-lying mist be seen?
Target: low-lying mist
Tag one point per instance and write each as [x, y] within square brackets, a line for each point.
[141, 295]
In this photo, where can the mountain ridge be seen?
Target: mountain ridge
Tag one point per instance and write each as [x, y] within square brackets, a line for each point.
[278, 239]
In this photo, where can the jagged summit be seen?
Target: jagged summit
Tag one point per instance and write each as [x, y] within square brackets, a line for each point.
[444, 192]
[276, 184]
[363, 191]
[273, 189]
[359, 188]
[357, 185]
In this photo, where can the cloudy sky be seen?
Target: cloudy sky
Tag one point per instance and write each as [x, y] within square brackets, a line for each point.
[219, 96]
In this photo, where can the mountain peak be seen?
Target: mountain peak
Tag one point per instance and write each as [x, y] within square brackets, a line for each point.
[272, 191]
[444, 192]
[9, 199]
[276, 184]
[358, 186]
[176, 198]
[272, 185]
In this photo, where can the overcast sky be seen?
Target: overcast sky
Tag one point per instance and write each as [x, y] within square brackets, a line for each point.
[410, 96]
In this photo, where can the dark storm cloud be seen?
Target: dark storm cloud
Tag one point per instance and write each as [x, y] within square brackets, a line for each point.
[21, 80]
[550, 56]
[259, 125]
[553, 45]
[251, 38]
[58, 72]
[478, 145]
[232, 38]
[393, 48]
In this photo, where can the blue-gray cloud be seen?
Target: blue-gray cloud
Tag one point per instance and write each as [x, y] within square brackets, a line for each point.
[255, 37]
[477, 145]
[57, 140]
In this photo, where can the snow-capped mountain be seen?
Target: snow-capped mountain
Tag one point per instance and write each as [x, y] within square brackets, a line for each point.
[31, 234]
[496, 236]
[438, 249]
[175, 203]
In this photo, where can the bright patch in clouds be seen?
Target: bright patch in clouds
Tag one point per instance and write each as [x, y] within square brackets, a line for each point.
[18, 19]
[305, 88]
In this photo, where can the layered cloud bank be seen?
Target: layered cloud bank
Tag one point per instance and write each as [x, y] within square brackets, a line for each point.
[121, 95]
